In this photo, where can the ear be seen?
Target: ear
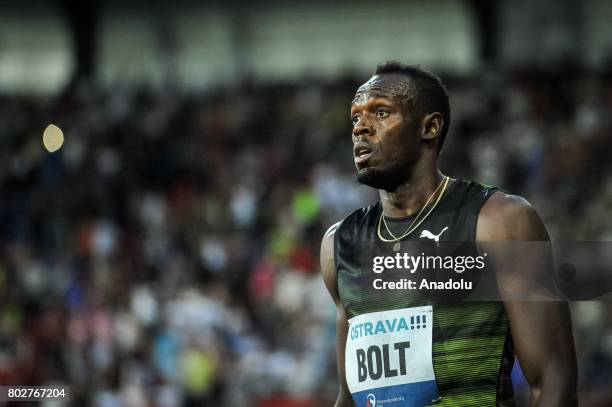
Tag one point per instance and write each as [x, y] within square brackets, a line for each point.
[431, 125]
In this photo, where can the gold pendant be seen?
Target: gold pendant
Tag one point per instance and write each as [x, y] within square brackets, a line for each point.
[396, 246]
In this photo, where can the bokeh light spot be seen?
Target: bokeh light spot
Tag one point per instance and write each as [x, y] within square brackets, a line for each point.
[53, 138]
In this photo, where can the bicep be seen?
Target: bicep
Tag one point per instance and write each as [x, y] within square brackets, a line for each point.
[328, 270]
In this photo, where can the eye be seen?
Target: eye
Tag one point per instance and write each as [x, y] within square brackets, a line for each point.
[381, 114]
[354, 120]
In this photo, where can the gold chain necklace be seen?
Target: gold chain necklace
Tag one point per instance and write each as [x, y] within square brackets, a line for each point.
[412, 227]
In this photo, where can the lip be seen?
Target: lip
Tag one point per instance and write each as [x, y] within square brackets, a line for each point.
[361, 159]
[362, 153]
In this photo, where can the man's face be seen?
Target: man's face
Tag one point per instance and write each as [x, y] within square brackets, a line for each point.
[385, 138]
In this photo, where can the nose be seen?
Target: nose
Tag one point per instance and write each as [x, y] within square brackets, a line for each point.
[362, 129]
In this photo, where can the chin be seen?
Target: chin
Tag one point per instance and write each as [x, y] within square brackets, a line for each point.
[376, 178]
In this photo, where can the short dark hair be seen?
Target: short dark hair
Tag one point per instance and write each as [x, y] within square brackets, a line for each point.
[429, 96]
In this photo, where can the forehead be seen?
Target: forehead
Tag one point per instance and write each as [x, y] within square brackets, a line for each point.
[390, 86]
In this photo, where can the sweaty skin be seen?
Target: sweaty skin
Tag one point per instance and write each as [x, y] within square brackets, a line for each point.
[541, 331]
[395, 86]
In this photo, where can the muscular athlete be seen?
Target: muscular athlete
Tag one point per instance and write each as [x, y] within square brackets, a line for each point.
[400, 119]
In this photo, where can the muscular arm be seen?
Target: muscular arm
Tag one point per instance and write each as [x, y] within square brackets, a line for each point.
[541, 330]
[328, 269]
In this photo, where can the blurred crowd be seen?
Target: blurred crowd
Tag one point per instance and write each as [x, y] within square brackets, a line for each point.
[167, 254]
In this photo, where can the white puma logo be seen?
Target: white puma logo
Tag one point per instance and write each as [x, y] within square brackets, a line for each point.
[426, 233]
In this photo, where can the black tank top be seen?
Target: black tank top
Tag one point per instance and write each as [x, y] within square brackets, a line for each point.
[472, 350]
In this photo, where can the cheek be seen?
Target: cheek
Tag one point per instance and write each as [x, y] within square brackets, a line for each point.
[392, 152]
[396, 139]
[400, 146]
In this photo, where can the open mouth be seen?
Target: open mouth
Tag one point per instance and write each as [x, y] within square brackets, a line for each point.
[362, 154]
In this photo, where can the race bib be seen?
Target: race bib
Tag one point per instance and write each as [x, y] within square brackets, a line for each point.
[388, 358]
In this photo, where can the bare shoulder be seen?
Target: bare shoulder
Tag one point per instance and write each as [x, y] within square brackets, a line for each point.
[328, 266]
[509, 217]
[327, 244]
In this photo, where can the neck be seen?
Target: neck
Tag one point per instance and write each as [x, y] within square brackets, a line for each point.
[410, 197]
